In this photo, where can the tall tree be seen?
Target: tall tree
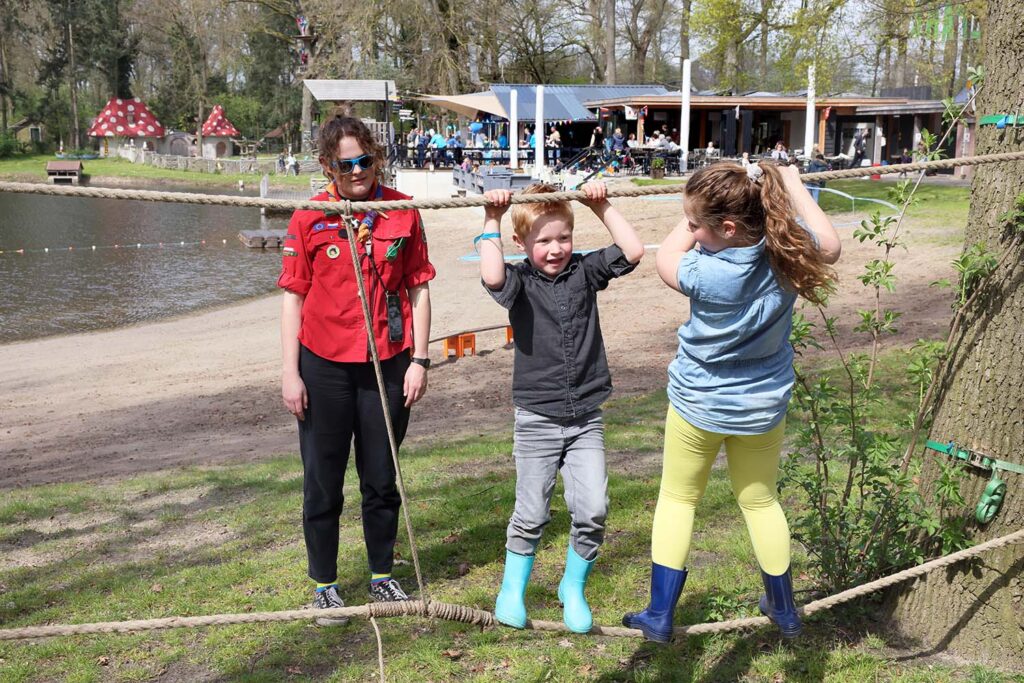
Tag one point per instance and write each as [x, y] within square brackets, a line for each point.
[684, 29]
[643, 20]
[11, 31]
[975, 608]
[610, 75]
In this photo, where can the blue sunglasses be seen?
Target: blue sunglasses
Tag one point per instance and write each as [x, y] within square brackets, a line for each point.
[346, 166]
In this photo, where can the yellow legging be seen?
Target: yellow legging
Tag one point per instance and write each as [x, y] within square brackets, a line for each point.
[753, 467]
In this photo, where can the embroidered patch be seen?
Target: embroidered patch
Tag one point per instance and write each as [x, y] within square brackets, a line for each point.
[333, 251]
[318, 227]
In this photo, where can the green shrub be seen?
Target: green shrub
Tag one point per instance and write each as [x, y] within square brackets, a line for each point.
[8, 146]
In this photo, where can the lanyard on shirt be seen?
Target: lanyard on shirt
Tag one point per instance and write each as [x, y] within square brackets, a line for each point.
[365, 229]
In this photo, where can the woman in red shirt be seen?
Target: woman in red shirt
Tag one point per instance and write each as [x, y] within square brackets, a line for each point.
[328, 380]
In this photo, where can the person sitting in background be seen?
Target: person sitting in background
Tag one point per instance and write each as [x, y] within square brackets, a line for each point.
[779, 153]
[631, 141]
[618, 141]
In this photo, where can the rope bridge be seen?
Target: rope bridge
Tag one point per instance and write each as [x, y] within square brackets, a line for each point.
[426, 607]
[469, 615]
[348, 207]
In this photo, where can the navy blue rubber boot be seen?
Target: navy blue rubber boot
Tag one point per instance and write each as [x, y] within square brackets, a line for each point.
[510, 608]
[778, 605]
[656, 621]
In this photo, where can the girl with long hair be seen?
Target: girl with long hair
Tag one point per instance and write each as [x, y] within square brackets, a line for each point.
[742, 258]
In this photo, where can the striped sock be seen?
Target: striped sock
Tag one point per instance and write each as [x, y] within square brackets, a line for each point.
[321, 587]
[377, 578]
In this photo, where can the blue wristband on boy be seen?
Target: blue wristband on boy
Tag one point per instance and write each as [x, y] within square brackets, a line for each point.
[486, 236]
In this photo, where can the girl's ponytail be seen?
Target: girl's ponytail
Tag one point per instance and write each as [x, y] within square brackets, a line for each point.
[792, 251]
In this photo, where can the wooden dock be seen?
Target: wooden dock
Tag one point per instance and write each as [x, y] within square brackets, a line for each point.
[273, 239]
[262, 239]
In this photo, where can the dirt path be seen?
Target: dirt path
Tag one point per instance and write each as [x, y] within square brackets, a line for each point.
[204, 389]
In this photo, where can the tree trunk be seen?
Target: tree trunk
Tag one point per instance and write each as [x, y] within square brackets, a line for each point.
[762, 58]
[903, 28]
[954, 40]
[732, 65]
[948, 53]
[684, 32]
[5, 86]
[965, 53]
[73, 85]
[609, 39]
[307, 120]
[976, 609]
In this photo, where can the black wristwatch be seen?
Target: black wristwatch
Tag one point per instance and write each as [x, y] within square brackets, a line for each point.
[425, 362]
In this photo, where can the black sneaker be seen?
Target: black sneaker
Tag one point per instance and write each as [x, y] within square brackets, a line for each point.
[387, 590]
[328, 599]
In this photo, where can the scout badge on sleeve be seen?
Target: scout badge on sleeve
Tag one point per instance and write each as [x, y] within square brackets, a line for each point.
[333, 251]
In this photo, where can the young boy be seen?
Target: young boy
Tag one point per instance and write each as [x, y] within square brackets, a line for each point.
[559, 381]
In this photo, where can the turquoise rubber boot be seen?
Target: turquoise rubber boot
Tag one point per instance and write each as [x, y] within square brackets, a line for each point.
[510, 609]
[575, 610]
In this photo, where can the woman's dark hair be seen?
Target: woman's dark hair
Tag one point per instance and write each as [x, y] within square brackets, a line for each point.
[760, 209]
[333, 130]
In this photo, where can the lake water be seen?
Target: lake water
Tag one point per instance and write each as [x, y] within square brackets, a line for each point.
[63, 291]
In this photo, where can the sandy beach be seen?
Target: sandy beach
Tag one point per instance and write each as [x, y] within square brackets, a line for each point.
[205, 389]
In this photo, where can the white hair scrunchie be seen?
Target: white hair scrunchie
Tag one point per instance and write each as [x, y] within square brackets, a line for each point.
[754, 172]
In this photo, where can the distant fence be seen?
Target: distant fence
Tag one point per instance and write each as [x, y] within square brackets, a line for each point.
[200, 165]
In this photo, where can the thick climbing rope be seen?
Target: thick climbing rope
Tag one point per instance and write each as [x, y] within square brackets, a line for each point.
[349, 207]
[469, 615]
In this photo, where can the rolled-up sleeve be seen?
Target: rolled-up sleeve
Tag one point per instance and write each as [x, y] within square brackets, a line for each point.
[603, 265]
[417, 267]
[688, 274]
[297, 265]
[506, 296]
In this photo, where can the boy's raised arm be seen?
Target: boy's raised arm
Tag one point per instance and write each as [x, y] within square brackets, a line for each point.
[621, 230]
[492, 258]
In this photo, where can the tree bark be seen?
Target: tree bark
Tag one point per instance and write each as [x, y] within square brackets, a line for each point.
[976, 609]
[762, 61]
[5, 85]
[684, 32]
[948, 54]
[73, 86]
[609, 38]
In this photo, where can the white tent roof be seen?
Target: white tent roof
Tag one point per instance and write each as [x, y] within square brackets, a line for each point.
[468, 105]
[351, 91]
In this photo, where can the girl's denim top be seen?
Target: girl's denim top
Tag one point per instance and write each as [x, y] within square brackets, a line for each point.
[733, 373]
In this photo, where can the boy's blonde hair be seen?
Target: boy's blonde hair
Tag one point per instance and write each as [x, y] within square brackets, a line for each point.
[525, 215]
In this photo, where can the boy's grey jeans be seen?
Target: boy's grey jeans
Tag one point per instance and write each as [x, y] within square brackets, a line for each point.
[543, 446]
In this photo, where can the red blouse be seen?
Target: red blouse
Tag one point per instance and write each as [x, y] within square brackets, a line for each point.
[317, 264]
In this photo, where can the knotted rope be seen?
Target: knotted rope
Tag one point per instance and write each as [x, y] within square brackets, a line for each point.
[476, 617]
[347, 207]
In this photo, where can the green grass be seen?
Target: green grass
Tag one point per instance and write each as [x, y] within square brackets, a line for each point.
[941, 204]
[228, 539]
[33, 167]
[932, 199]
[644, 182]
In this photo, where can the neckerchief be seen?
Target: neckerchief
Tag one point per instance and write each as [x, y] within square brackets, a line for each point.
[366, 224]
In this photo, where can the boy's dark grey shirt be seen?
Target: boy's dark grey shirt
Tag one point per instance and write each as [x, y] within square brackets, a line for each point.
[560, 366]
